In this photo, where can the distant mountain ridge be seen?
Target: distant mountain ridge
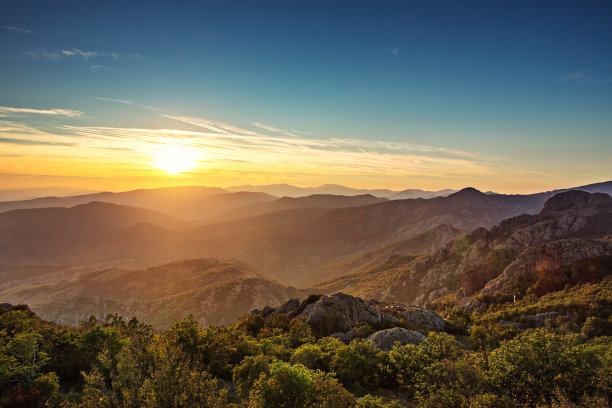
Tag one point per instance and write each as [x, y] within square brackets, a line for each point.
[214, 290]
[287, 190]
[525, 253]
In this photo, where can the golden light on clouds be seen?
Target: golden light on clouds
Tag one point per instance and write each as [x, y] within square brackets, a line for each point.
[176, 159]
[116, 158]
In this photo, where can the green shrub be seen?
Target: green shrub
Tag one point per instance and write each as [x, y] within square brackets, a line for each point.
[295, 386]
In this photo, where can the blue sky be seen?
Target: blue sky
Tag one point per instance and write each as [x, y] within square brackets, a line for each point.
[522, 88]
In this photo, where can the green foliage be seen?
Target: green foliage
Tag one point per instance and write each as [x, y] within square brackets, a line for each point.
[370, 401]
[18, 320]
[532, 366]
[295, 386]
[310, 356]
[248, 371]
[361, 364]
[117, 363]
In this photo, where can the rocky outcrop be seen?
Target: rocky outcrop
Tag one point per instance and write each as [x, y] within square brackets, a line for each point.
[538, 320]
[538, 242]
[385, 339]
[343, 337]
[337, 315]
[587, 203]
[538, 261]
[471, 261]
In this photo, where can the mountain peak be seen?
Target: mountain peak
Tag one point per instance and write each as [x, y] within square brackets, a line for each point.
[468, 192]
[575, 199]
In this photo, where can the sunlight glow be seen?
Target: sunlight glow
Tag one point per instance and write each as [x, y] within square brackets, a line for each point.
[176, 159]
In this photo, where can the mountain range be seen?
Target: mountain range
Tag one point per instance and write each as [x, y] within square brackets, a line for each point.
[160, 254]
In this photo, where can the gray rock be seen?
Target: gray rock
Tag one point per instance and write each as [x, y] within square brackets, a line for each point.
[339, 313]
[509, 323]
[539, 319]
[288, 306]
[385, 339]
[422, 318]
[343, 337]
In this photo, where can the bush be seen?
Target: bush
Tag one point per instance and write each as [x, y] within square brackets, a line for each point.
[295, 386]
[311, 356]
[249, 370]
[370, 401]
[532, 366]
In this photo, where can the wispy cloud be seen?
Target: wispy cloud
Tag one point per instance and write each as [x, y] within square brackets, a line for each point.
[215, 126]
[584, 77]
[394, 51]
[286, 132]
[55, 112]
[9, 140]
[69, 53]
[19, 30]
[261, 153]
[97, 68]
[126, 102]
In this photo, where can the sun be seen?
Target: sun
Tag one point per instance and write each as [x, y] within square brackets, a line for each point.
[176, 159]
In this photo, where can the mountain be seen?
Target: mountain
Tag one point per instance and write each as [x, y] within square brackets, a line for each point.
[567, 242]
[416, 193]
[15, 194]
[50, 233]
[289, 203]
[215, 291]
[293, 246]
[184, 202]
[428, 242]
[287, 190]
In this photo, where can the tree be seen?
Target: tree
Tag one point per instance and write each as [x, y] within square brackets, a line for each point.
[295, 386]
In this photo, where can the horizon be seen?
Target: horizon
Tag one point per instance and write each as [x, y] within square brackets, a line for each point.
[8, 195]
[512, 98]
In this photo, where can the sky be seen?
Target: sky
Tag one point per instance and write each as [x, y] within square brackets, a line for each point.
[509, 96]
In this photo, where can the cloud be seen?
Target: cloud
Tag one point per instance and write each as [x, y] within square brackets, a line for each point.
[584, 77]
[55, 112]
[126, 102]
[394, 51]
[215, 126]
[97, 68]
[262, 153]
[31, 142]
[286, 132]
[115, 100]
[75, 52]
[19, 30]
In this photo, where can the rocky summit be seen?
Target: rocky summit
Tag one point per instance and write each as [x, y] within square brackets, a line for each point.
[346, 317]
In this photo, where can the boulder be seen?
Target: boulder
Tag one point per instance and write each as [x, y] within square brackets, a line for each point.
[343, 337]
[339, 313]
[385, 339]
[422, 318]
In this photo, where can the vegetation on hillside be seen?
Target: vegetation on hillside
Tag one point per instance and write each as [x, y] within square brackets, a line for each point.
[496, 358]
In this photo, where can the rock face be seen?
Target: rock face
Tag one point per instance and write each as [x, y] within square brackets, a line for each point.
[572, 231]
[385, 339]
[337, 314]
[543, 259]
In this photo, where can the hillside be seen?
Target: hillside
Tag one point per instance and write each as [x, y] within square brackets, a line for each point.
[290, 246]
[215, 291]
[27, 236]
[522, 254]
[327, 201]
[191, 203]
